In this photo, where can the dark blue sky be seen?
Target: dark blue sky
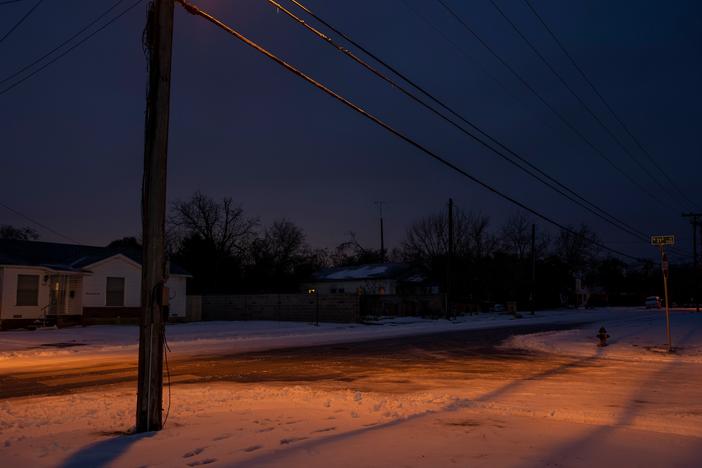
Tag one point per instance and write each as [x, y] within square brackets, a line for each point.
[71, 137]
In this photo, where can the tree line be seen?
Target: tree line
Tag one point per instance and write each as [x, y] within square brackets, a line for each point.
[228, 251]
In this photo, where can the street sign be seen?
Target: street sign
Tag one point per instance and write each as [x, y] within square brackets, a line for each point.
[663, 240]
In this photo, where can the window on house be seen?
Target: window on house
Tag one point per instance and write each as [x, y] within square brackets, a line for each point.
[114, 292]
[27, 290]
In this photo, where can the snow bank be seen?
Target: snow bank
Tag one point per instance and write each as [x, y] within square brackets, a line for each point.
[634, 335]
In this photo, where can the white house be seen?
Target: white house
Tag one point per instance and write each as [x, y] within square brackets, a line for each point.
[65, 284]
[373, 279]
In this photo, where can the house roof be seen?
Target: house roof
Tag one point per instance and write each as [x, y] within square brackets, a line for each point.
[370, 271]
[65, 257]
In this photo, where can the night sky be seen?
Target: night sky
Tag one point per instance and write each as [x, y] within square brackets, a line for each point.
[71, 138]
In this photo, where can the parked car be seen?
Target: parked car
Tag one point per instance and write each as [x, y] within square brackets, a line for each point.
[653, 302]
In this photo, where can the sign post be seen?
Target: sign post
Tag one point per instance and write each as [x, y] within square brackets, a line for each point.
[661, 242]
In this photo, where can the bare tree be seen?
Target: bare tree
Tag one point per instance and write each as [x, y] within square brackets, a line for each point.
[129, 242]
[12, 233]
[515, 235]
[480, 241]
[222, 224]
[351, 252]
[577, 248]
[281, 246]
[427, 238]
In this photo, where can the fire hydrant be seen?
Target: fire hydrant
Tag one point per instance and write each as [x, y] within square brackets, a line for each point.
[602, 335]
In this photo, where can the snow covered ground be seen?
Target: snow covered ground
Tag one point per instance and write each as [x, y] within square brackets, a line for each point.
[625, 405]
[232, 425]
[638, 335]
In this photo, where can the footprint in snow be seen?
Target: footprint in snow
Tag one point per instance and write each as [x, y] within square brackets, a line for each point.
[326, 429]
[252, 448]
[292, 440]
[266, 429]
[221, 437]
[206, 461]
[194, 452]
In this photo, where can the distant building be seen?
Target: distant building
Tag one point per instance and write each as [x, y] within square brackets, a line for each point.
[589, 296]
[65, 284]
[371, 279]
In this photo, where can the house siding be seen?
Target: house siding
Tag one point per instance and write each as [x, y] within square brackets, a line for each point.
[369, 286]
[95, 286]
[9, 310]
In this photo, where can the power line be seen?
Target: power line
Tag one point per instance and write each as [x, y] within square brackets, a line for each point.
[582, 103]
[42, 225]
[579, 201]
[606, 103]
[80, 31]
[560, 116]
[7, 2]
[20, 21]
[613, 220]
[198, 12]
[70, 49]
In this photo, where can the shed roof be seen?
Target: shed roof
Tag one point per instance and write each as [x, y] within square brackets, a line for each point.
[366, 272]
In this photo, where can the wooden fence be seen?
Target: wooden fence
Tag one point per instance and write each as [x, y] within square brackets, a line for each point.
[394, 305]
[286, 307]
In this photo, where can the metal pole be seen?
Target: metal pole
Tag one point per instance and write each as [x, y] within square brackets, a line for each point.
[665, 269]
[159, 40]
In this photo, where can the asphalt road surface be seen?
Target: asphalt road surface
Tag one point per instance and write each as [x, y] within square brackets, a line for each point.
[393, 365]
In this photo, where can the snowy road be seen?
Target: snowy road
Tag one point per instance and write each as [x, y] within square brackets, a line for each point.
[393, 364]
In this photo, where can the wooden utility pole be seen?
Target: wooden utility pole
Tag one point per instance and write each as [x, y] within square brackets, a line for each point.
[154, 296]
[382, 232]
[532, 295]
[449, 260]
[694, 219]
